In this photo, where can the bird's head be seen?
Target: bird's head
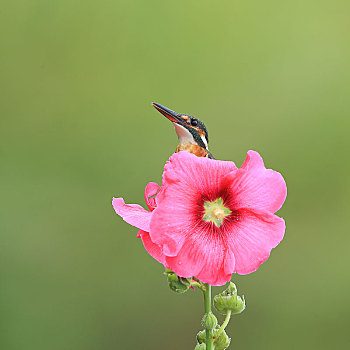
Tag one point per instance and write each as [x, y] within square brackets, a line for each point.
[189, 130]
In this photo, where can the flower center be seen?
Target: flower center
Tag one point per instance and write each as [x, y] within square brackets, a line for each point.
[215, 212]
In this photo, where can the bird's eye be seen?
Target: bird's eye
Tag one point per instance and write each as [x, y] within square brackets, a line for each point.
[194, 122]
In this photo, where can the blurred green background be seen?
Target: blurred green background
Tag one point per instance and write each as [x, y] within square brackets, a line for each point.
[77, 127]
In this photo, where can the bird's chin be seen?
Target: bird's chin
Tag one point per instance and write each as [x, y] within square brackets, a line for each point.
[185, 137]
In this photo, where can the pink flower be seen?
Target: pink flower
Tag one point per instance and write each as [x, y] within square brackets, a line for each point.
[209, 218]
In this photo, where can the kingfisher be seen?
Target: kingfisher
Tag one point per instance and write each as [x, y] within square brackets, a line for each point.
[191, 132]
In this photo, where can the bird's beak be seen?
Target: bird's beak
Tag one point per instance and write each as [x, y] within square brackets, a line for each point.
[171, 115]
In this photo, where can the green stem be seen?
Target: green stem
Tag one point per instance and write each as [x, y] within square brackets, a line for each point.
[227, 320]
[207, 308]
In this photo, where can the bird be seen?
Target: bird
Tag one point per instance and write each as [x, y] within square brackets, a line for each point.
[191, 132]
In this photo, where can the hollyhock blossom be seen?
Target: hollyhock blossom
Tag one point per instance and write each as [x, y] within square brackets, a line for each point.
[209, 218]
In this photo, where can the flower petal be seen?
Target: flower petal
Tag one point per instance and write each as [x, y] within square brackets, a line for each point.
[204, 256]
[133, 214]
[252, 237]
[151, 190]
[201, 174]
[254, 186]
[152, 248]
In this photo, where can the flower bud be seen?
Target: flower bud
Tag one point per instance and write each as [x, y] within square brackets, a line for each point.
[178, 284]
[209, 321]
[200, 347]
[225, 303]
[222, 342]
[229, 300]
[201, 337]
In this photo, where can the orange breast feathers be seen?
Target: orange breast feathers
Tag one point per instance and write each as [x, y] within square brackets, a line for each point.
[195, 149]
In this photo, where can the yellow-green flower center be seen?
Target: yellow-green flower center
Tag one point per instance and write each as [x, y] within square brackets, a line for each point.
[215, 212]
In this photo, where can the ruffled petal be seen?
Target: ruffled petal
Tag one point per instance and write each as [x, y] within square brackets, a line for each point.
[171, 222]
[151, 190]
[252, 237]
[204, 255]
[152, 248]
[254, 186]
[196, 173]
[133, 214]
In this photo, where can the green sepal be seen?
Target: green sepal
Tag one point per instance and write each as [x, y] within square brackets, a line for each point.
[222, 342]
[229, 300]
[176, 283]
[201, 346]
[201, 337]
[231, 289]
